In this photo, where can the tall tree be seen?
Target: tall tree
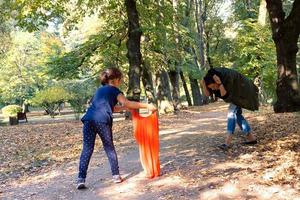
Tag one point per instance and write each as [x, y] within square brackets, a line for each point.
[262, 15]
[192, 61]
[133, 50]
[200, 18]
[174, 79]
[164, 95]
[186, 90]
[148, 82]
[285, 31]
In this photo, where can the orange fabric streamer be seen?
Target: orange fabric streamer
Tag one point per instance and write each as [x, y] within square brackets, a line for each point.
[146, 135]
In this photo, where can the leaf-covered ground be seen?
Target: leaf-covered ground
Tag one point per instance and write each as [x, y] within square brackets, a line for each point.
[39, 161]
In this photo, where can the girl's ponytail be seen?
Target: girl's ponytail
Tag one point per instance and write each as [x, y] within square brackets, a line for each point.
[110, 74]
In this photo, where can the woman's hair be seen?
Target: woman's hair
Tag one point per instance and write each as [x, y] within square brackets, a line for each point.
[110, 74]
[208, 78]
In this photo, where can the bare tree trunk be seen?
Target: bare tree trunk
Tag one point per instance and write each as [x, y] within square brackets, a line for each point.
[133, 50]
[285, 35]
[197, 97]
[262, 15]
[208, 51]
[174, 73]
[25, 107]
[164, 97]
[148, 83]
[174, 79]
[200, 28]
[186, 90]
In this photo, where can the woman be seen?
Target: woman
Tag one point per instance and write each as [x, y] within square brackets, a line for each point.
[98, 120]
[237, 90]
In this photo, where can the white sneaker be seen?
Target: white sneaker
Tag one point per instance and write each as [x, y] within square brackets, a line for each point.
[81, 183]
[117, 179]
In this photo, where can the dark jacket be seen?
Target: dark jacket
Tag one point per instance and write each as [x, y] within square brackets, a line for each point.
[241, 91]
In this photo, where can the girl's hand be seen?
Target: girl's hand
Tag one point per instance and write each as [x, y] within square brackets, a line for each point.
[217, 79]
[151, 107]
[120, 108]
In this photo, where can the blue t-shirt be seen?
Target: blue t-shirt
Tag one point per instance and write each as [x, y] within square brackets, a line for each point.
[103, 102]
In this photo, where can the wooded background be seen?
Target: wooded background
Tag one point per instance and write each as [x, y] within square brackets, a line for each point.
[164, 47]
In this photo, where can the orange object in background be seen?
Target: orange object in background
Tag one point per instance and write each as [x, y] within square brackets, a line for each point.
[146, 135]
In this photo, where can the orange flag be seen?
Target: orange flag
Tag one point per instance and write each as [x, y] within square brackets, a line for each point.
[146, 135]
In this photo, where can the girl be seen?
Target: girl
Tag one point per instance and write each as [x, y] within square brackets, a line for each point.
[98, 120]
[235, 89]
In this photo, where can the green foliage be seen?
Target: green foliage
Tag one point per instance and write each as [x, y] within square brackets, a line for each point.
[255, 57]
[51, 98]
[80, 93]
[219, 42]
[23, 65]
[82, 61]
[243, 10]
[11, 110]
[94, 35]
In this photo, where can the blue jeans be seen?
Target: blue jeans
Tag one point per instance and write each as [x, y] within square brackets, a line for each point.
[235, 116]
[90, 130]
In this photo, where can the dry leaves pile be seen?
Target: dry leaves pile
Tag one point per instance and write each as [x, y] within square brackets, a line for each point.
[274, 160]
[279, 150]
[29, 148]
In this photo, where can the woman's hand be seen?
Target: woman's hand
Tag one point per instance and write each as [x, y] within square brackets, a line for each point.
[151, 107]
[205, 90]
[217, 79]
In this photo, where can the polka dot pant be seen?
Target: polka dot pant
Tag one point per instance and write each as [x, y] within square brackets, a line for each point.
[90, 129]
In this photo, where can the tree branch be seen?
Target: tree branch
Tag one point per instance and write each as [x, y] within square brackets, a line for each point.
[293, 20]
[93, 49]
[276, 16]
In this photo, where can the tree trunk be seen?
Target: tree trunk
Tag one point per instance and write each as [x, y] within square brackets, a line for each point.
[197, 97]
[133, 50]
[200, 27]
[208, 51]
[174, 79]
[174, 73]
[25, 107]
[186, 90]
[262, 15]
[285, 35]
[164, 97]
[148, 83]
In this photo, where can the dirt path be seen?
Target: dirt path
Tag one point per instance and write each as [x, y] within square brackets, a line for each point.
[192, 168]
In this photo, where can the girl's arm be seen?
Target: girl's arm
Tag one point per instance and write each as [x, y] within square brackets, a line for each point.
[222, 89]
[133, 104]
[119, 108]
[204, 88]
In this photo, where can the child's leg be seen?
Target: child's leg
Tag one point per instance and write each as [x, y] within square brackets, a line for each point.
[105, 133]
[89, 137]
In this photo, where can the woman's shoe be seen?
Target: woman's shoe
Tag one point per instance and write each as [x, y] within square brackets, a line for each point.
[224, 147]
[250, 142]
